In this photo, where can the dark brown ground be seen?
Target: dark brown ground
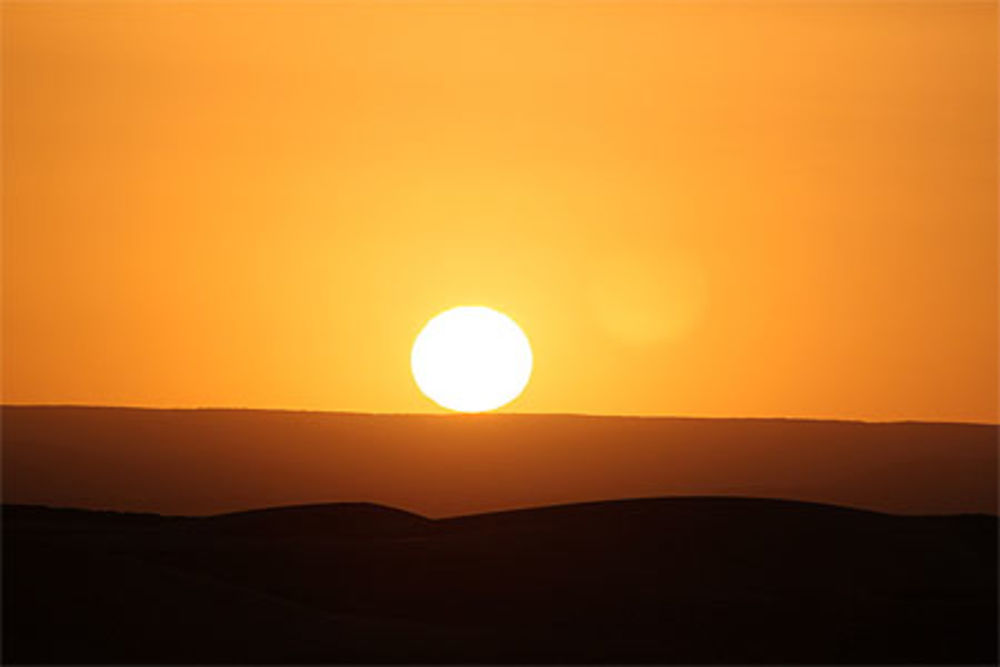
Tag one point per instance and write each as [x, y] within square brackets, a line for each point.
[671, 580]
[197, 462]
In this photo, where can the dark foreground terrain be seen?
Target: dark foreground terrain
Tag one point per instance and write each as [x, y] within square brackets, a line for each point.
[688, 580]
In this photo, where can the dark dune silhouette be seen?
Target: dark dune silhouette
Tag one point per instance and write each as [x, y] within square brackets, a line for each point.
[658, 580]
[339, 519]
[210, 461]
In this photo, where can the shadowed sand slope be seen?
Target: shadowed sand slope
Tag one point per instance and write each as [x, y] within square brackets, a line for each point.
[208, 461]
[658, 580]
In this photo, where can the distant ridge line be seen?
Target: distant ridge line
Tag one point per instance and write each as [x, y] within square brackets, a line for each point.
[491, 415]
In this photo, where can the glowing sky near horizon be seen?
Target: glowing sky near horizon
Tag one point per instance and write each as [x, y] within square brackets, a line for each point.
[719, 209]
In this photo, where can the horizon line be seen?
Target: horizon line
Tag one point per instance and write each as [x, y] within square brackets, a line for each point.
[492, 413]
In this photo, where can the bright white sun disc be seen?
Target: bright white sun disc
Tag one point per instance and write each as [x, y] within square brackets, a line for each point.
[471, 359]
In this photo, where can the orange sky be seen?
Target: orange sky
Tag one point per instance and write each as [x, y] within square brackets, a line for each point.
[746, 209]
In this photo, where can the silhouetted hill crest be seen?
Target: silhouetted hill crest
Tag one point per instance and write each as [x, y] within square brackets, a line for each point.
[648, 580]
[317, 520]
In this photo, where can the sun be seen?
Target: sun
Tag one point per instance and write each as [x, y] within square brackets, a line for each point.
[471, 359]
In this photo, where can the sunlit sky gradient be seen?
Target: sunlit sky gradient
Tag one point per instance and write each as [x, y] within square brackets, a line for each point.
[746, 209]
